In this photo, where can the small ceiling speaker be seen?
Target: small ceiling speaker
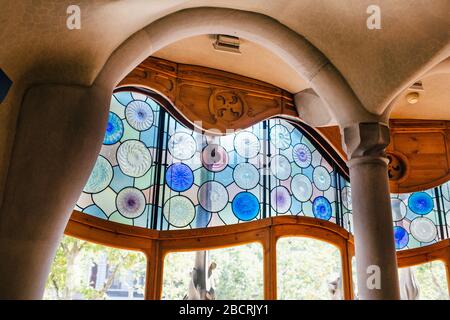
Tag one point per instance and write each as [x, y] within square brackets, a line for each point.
[227, 43]
[412, 97]
[5, 84]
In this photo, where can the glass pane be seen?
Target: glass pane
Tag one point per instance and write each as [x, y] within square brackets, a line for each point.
[154, 172]
[121, 185]
[236, 273]
[86, 271]
[427, 281]
[308, 269]
[416, 219]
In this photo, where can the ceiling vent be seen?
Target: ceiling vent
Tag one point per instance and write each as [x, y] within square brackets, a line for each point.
[417, 86]
[227, 43]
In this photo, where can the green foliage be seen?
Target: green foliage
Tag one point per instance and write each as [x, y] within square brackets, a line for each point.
[239, 273]
[69, 275]
[431, 280]
[177, 268]
[304, 268]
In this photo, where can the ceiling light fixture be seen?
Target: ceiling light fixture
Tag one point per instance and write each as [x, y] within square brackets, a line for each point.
[412, 97]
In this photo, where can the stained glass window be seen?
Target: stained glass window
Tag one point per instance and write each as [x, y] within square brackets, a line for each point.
[155, 172]
[121, 185]
[415, 218]
[420, 218]
[302, 181]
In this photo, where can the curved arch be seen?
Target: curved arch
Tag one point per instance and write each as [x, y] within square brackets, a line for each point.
[300, 54]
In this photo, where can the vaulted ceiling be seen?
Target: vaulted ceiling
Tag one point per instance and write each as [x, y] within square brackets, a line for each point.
[378, 64]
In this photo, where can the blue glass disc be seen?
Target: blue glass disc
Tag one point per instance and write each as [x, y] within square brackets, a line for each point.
[401, 237]
[420, 203]
[114, 129]
[245, 206]
[179, 177]
[322, 208]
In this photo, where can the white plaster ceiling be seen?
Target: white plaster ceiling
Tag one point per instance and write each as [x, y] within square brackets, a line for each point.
[254, 61]
[259, 63]
[433, 104]
[36, 46]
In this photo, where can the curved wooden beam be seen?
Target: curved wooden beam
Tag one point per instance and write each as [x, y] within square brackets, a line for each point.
[210, 99]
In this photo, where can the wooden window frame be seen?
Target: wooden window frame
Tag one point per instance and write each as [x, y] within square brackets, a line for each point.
[157, 244]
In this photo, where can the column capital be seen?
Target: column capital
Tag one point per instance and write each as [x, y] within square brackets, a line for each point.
[366, 140]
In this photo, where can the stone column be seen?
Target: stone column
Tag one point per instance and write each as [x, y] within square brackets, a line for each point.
[57, 140]
[372, 219]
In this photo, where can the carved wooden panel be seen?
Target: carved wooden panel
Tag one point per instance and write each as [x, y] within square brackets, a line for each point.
[424, 147]
[419, 153]
[217, 99]
[157, 74]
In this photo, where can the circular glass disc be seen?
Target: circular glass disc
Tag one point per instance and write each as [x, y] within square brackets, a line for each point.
[114, 129]
[322, 178]
[301, 187]
[246, 176]
[301, 155]
[130, 202]
[179, 211]
[246, 144]
[100, 177]
[420, 203]
[281, 199]
[280, 136]
[423, 229]
[139, 115]
[401, 237]
[214, 157]
[182, 146]
[179, 177]
[322, 208]
[245, 206]
[280, 167]
[134, 158]
[398, 209]
[347, 197]
[212, 196]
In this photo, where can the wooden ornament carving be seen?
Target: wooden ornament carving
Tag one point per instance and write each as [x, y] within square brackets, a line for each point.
[396, 166]
[226, 106]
